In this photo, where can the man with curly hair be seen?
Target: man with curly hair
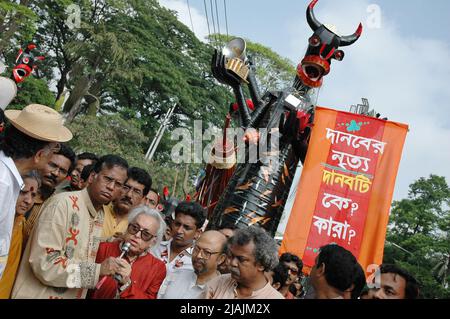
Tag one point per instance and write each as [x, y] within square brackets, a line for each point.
[251, 252]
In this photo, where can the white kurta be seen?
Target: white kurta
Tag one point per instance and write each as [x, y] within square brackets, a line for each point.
[59, 259]
[10, 185]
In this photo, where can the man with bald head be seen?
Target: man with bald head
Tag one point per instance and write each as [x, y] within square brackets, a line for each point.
[207, 254]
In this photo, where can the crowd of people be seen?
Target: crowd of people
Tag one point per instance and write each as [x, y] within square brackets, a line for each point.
[90, 226]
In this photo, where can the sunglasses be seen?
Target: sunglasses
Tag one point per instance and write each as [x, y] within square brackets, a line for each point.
[293, 271]
[133, 229]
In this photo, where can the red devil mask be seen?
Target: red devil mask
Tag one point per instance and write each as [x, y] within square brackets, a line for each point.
[25, 63]
[323, 47]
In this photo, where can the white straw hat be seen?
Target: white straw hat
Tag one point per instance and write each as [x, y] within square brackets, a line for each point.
[40, 122]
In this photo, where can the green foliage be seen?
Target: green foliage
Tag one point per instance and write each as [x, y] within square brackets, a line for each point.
[17, 25]
[126, 65]
[112, 134]
[419, 235]
[106, 134]
[32, 91]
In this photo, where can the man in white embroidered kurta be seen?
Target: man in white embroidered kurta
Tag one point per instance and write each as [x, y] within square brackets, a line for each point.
[62, 249]
[59, 260]
[10, 185]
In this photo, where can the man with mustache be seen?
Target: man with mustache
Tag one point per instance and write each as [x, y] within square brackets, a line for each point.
[54, 173]
[59, 259]
[395, 283]
[295, 266]
[29, 140]
[134, 190]
[207, 255]
[75, 184]
[251, 253]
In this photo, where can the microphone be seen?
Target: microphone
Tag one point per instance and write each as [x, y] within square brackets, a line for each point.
[125, 248]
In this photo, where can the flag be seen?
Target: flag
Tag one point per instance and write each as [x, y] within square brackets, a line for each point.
[346, 188]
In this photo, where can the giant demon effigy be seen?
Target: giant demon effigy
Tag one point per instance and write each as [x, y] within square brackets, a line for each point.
[255, 191]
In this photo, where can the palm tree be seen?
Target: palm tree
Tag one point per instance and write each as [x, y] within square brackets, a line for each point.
[442, 270]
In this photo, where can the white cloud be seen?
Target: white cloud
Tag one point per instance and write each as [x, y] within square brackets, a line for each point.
[405, 79]
[198, 19]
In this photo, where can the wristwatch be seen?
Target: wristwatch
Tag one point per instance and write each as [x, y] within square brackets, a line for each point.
[124, 286]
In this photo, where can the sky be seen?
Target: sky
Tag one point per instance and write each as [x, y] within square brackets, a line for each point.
[400, 63]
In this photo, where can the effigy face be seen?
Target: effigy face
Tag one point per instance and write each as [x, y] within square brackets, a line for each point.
[323, 47]
[25, 63]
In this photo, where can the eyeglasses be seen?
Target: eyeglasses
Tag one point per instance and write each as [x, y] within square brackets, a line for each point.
[55, 167]
[207, 254]
[108, 180]
[133, 229]
[135, 191]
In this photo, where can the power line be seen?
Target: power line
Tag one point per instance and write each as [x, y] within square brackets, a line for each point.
[214, 23]
[190, 16]
[218, 20]
[226, 18]
[207, 21]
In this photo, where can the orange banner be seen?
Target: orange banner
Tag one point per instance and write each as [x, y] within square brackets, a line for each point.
[346, 188]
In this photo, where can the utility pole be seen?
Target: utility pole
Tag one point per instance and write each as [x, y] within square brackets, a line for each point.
[159, 134]
[400, 247]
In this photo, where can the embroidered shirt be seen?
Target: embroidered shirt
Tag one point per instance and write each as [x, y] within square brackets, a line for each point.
[59, 259]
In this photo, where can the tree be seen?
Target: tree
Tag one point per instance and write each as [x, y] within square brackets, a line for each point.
[115, 135]
[16, 23]
[419, 235]
[32, 91]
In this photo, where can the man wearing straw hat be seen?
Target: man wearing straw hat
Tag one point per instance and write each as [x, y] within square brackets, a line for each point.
[29, 142]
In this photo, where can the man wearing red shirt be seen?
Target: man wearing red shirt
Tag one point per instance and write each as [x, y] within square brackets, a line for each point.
[141, 274]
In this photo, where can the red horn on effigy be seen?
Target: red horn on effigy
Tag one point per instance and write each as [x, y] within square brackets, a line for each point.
[350, 39]
[311, 18]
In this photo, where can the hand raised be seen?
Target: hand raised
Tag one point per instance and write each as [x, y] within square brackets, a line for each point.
[220, 72]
